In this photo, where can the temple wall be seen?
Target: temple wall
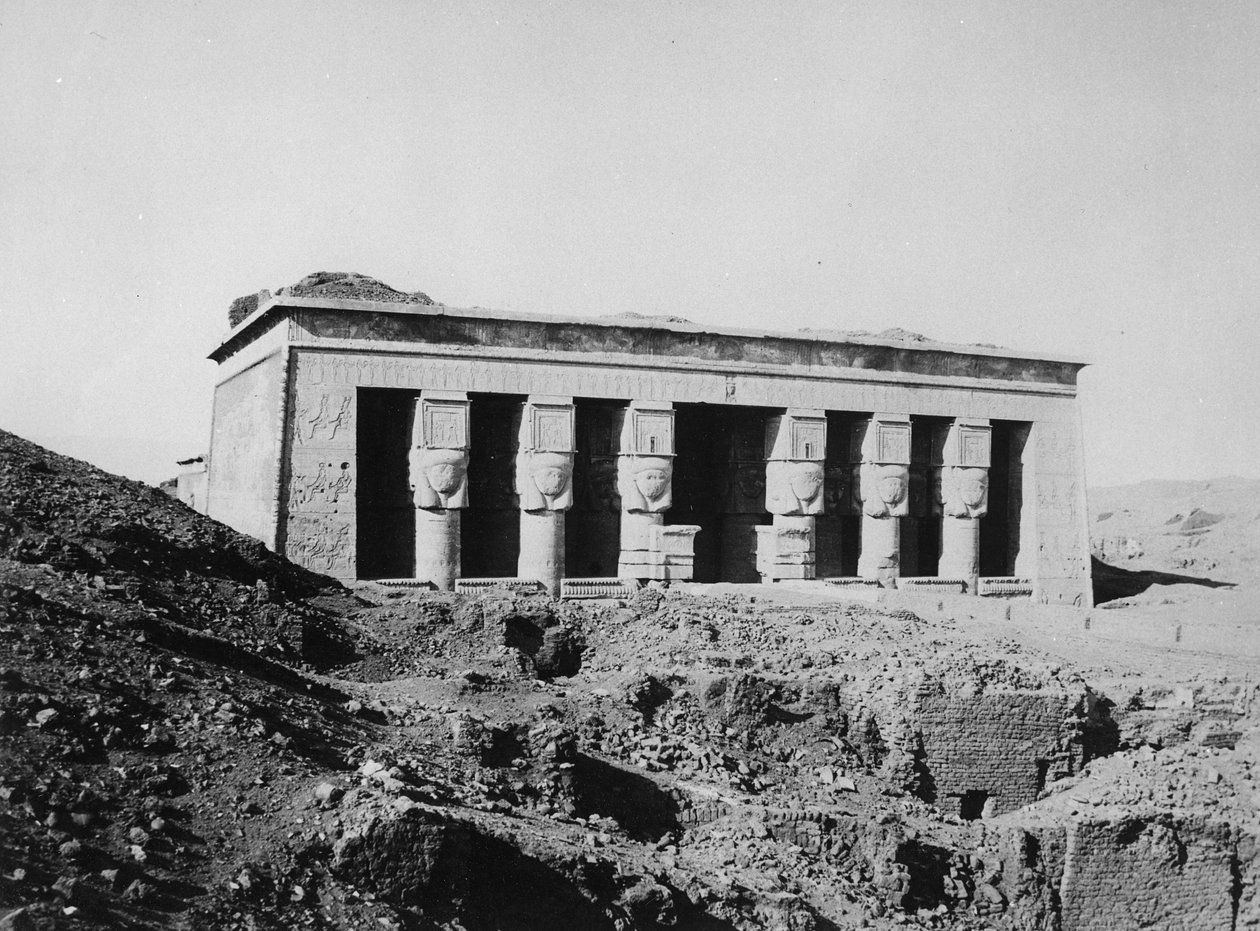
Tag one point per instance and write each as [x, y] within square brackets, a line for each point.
[245, 440]
[317, 523]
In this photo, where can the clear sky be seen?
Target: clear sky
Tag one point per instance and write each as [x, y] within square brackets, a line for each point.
[1074, 177]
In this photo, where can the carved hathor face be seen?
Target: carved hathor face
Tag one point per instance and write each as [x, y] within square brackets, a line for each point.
[444, 469]
[445, 477]
[652, 482]
[551, 479]
[807, 481]
[892, 489]
[973, 486]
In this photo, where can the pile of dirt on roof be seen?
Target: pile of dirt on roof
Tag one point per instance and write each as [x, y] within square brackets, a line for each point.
[345, 285]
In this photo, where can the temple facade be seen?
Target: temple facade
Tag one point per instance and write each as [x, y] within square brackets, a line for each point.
[368, 433]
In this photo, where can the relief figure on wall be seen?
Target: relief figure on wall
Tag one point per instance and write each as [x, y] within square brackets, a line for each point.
[323, 424]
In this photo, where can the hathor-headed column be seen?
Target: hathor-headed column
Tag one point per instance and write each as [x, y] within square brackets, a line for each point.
[885, 486]
[796, 444]
[544, 482]
[645, 472]
[964, 498]
[439, 482]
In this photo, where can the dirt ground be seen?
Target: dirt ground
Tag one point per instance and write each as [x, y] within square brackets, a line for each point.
[196, 734]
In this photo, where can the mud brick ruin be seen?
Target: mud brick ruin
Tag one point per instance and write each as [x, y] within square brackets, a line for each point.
[369, 433]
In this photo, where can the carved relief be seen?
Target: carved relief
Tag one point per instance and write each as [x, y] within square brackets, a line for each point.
[325, 421]
[544, 480]
[964, 491]
[794, 488]
[439, 477]
[885, 490]
[645, 483]
[743, 489]
[321, 542]
[330, 482]
[837, 491]
[599, 491]
[1061, 555]
[1057, 493]
[936, 491]
[893, 442]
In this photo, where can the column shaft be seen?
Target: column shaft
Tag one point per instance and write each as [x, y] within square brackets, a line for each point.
[880, 558]
[437, 546]
[960, 550]
[542, 548]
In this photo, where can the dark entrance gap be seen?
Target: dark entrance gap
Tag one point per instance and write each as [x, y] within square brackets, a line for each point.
[385, 515]
[1000, 528]
[490, 527]
[720, 484]
[971, 805]
[592, 527]
[921, 528]
[838, 530]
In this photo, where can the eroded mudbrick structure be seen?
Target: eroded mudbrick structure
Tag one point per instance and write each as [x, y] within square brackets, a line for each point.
[373, 434]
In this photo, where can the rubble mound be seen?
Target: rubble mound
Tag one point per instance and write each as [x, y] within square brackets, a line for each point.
[195, 733]
[346, 285]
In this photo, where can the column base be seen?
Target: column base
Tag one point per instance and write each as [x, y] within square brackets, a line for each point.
[785, 549]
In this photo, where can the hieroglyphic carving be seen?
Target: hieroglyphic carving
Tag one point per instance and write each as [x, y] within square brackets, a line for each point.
[324, 487]
[687, 383]
[1060, 553]
[323, 420]
[322, 542]
[1057, 492]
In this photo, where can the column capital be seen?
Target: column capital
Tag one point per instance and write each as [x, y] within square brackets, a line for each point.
[968, 443]
[647, 429]
[544, 456]
[796, 445]
[438, 459]
[884, 439]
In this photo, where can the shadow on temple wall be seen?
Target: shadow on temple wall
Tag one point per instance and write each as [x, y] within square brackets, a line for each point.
[1112, 582]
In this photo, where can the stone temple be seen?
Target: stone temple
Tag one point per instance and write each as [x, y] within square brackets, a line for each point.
[369, 433]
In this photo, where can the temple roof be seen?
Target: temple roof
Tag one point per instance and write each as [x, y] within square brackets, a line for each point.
[353, 292]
